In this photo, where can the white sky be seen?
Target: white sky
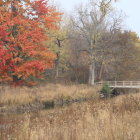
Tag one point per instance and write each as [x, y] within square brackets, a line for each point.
[130, 7]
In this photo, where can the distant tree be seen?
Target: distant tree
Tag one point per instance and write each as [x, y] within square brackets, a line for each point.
[127, 61]
[58, 46]
[92, 22]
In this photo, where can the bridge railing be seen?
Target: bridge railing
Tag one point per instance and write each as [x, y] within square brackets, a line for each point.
[119, 83]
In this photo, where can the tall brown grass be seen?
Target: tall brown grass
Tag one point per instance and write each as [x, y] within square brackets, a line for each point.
[113, 119]
[23, 95]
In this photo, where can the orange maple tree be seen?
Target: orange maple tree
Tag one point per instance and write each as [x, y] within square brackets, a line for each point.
[23, 25]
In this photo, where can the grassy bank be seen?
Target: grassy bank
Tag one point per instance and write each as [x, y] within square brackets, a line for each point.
[24, 99]
[112, 119]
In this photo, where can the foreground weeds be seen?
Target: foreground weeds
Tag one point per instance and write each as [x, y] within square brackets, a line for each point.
[112, 119]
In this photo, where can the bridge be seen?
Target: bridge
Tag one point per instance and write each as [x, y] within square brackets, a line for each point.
[120, 84]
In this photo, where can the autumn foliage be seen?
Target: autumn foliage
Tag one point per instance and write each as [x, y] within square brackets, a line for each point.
[23, 30]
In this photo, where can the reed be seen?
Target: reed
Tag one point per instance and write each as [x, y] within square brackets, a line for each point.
[111, 119]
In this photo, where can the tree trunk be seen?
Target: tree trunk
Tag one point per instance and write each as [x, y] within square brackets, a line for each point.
[91, 73]
[57, 72]
[16, 80]
[57, 65]
[100, 72]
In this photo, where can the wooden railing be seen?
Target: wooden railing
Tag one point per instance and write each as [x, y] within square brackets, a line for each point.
[120, 84]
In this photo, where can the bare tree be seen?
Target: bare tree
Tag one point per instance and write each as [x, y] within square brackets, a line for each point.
[92, 22]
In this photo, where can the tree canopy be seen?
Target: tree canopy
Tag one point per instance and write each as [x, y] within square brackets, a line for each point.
[23, 26]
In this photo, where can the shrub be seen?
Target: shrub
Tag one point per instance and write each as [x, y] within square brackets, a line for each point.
[106, 91]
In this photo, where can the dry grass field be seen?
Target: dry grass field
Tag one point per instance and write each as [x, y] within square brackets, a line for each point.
[23, 95]
[112, 119]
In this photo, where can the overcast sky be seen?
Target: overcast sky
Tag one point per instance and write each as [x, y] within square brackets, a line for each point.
[130, 7]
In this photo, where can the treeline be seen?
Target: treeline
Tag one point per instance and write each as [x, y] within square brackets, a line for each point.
[39, 44]
[93, 45]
